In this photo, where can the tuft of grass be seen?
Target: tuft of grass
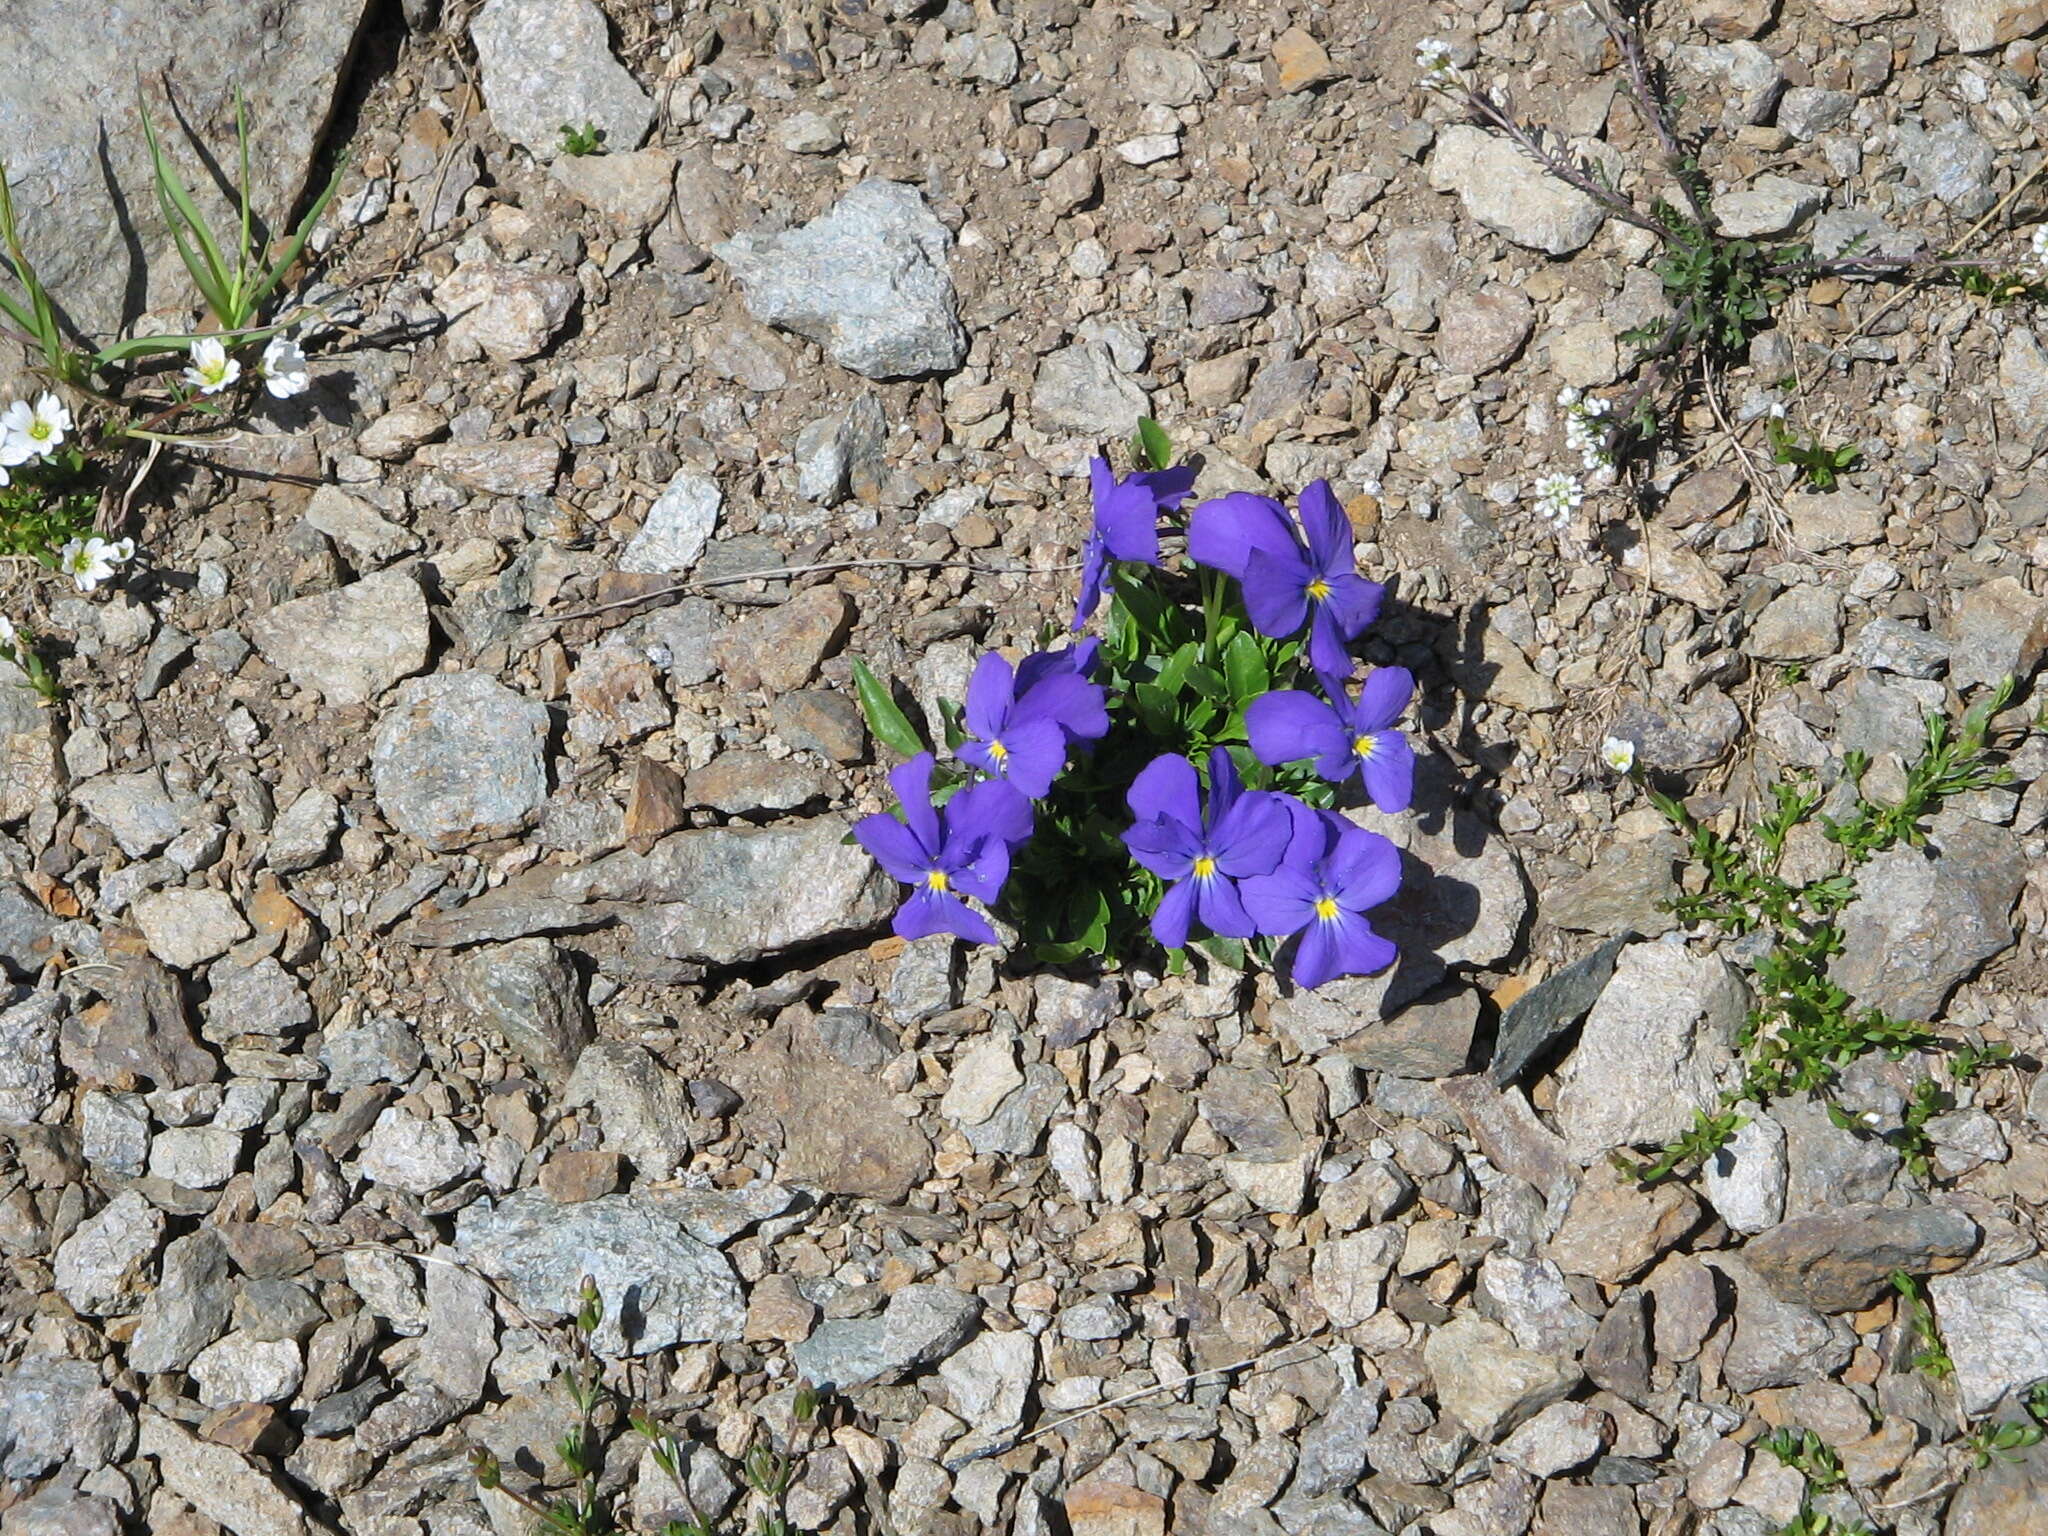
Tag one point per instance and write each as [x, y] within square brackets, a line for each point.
[1808, 1455]
[1819, 464]
[1804, 1029]
[1932, 1355]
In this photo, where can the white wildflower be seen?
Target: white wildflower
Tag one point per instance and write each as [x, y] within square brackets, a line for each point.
[1433, 57]
[1556, 496]
[2038, 243]
[33, 431]
[1585, 431]
[1619, 754]
[212, 369]
[283, 368]
[9, 639]
[88, 562]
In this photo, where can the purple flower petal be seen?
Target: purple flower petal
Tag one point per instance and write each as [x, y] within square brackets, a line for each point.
[1224, 786]
[1168, 488]
[1069, 700]
[1221, 909]
[929, 911]
[1328, 529]
[912, 782]
[1354, 602]
[1170, 922]
[893, 846]
[1316, 957]
[989, 694]
[1363, 870]
[1356, 949]
[1390, 772]
[1329, 649]
[992, 809]
[1288, 726]
[1034, 752]
[1275, 586]
[1166, 847]
[986, 865]
[1224, 530]
[1252, 837]
[1280, 903]
[1128, 524]
[1094, 572]
[1078, 658]
[1383, 699]
[1166, 787]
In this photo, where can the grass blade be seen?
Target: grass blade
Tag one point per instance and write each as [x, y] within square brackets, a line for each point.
[891, 726]
[183, 215]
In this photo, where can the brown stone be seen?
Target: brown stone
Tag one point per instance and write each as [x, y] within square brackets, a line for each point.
[254, 1429]
[1298, 61]
[782, 647]
[1101, 1508]
[1615, 1230]
[777, 1312]
[571, 1177]
[1842, 1260]
[656, 806]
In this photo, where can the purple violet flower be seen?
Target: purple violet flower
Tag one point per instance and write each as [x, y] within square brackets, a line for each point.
[964, 849]
[1332, 873]
[1024, 731]
[1203, 856]
[1126, 523]
[1344, 738]
[1288, 581]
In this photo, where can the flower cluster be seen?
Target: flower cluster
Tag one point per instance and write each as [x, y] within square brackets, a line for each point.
[1433, 59]
[1557, 497]
[1585, 427]
[2037, 251]
[30, 432]
[1225, 831]
[89, 562]
[282, 368]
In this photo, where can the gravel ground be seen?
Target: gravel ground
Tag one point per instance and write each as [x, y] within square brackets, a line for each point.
[433, 887]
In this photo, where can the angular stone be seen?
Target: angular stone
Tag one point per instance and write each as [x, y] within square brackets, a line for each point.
[1778, 1343]
[1843, 1260]
[1654, 1049]
[1924, 920]
[549, 62]
[1615, 1229]
[645, 1107]
[1770, 205]
[458, 759]
[1994, 1323]
[303, 831]
[523, 468]
[419, 1156]
[358, 526]
[529, 992]
[1510, 194]
[1297, 62]
[660, 1286]
[187, 927]
[102, 1268]
[921, 1323]
[614, 696]
[1080, 389]
[1745, 1179]
[678, 525]
[781, 648]
[1560, 1438]
[1802, 624]
[54, 1410]
[136, 808]
[28, 1057]
[350, 644]
[1998, 629]
[189, 1308]
[1349, 1273]
[631, 189]
[1486, 1382]
[867, 280]
[2006, 1497]
[221, 1484]
[1483, 331]
[1167, 76]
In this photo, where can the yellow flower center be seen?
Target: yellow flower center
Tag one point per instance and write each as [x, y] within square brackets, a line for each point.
[999, 752]
[936, 880]
[1318, 590]
[39, 429]
[1326, 909]
[1365, 746]
[1204, 867]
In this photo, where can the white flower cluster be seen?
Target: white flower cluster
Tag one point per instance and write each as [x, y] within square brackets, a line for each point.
[1433, 58]
[1557, 497]
[31, 431]
[88, 562]
[282, 367]
[1585, 427]
[2037, 253]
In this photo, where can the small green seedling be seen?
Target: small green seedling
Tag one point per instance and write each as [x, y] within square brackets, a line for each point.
[1932, 1356]
[1818, 464]
[1808, 1455]
[587, 140]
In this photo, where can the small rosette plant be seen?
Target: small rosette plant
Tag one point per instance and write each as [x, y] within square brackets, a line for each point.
[1174, 781]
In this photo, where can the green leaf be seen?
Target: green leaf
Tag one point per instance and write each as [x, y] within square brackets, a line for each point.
[1244, 669]
[891, 727]
[1223, 950]
[1150, 447]
[1209, 683]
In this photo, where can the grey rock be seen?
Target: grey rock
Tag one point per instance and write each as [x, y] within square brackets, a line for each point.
[1925, 919]
[2009, 1496]
[303, 831]
[1808, 111]
[1510, 194]
[1745, 1180]
[507, 313]
[526, 467]
[1165, 76]
[381, 1049]
[529, 992]
[1953, 163]
[983, 1075]
[136, 808]
[188, 927]
[1839, 229]
[401, 429]
[1998, 629]
[727, 895]
[631, 189]
[1487, 1382]
[114, 1133]
[1530, 1298]
[1778, 1343]
[547, 62]
[1097, 1319]
[1483, 331]
[459, 759]
[60, 1511]
[269, 1311]
[1618, 1356]
[1079, 388]
[1562, 1437]
[1843, 518]
[660, 1285]
[461, 1341]
[1019, 1122]
[1348, 1273]
[350, 644]
[145, 1034]
[239, 1369]
[1654, 1049]
[845, 443]
[987, 1380]
[1625, 892]
[678, 525]
[358, 526]
[31, 770]
[810, 133]
[1614, 1229]
[1801, 624]
[1978, 26]
[417, 1155]
[26, 930]
[836, 1123]
[102, 1268]
[1888, 645]
[867, 280]
[1994, 1323]
[921, 1323]
[1770, 205]
[28, 1057]
[1543, 1013]
[223, 1485]
[1222, 298]
[645, 1106]
[1843, 1260]
[1827, 1166]
[1419, 260]
[258, 999]
[54, 1409]
[1332, 1454]
[71, 125]
[2023, 383]
[195, 1156]
[1748, 80]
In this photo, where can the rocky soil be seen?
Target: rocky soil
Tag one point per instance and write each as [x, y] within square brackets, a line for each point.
[433, 888]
